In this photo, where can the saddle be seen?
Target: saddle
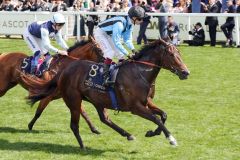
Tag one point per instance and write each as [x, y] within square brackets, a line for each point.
[28, 67]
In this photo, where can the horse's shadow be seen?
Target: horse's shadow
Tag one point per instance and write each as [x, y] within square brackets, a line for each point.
[14, 130]
[45, 147]
[49, 148]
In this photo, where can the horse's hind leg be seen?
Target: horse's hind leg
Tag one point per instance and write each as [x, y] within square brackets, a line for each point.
[5, 86]
[87, 119]
[106, 120]
[42, 105]
[144, 112]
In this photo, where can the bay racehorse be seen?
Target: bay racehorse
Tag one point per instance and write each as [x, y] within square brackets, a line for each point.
[10, 65]
[132, 97]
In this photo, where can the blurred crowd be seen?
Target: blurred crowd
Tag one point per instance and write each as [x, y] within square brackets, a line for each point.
[167, 26]
[172, 6]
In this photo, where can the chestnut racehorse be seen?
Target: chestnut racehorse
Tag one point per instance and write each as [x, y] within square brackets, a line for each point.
[132, 97]
[10, 75]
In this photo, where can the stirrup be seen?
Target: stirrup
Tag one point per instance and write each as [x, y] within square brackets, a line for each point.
[107, 82]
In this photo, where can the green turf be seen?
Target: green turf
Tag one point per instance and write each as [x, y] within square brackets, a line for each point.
[203, 115]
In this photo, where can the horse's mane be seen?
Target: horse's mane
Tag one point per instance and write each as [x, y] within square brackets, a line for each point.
[78, 44]
[148, 46]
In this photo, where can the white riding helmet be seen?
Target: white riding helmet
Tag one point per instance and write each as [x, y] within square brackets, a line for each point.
[58, 18]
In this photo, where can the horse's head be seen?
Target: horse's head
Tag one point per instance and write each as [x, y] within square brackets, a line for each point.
[171, 59]
[86, 50]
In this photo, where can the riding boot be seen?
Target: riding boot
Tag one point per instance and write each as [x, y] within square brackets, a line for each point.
[106, 74]
[34, 62]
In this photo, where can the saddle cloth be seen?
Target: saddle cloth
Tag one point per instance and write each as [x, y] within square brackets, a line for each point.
[26, 65]
[95, 76]
[95, 80]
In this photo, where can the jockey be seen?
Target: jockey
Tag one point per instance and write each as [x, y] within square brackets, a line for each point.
[109, 33]
[38, 34]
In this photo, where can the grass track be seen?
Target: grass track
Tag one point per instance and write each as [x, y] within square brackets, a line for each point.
[203, 114]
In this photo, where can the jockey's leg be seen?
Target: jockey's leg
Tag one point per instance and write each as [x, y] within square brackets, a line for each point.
[106, 71]
[34, 62]
[104, 42]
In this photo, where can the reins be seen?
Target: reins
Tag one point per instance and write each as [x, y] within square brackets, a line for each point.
[72, 57]
[146, 63]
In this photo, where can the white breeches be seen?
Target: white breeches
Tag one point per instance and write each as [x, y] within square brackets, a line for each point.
[107, 45]
[34, 43]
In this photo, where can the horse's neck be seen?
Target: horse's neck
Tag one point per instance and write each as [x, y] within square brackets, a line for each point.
[147, 72]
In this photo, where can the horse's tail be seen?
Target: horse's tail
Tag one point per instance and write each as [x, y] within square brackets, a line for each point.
[38, 88]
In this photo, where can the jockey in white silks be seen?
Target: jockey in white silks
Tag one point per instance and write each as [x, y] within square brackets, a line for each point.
[110, 32]
[38, 34]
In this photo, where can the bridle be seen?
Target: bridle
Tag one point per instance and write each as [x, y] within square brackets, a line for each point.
[168, 45]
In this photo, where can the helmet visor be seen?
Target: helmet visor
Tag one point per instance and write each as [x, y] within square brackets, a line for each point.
[60, 24]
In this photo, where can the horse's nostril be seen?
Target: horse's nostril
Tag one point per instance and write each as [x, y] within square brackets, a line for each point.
[185, 73]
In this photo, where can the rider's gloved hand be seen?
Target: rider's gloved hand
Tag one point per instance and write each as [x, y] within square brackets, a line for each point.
[134, 52]
[64, 53]
[135, 55]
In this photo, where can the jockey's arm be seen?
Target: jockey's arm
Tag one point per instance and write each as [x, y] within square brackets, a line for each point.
[60, 40]
[127, 38]
[46, 41]
[116, 36]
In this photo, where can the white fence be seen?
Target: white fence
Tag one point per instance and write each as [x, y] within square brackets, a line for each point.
[14, 23]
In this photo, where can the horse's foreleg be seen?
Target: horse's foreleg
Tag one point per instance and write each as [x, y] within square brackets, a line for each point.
[146, 113]
[156, 110]
[73, 105]
[74, 125]
[42, 105]
[85, 116]
[106, 120]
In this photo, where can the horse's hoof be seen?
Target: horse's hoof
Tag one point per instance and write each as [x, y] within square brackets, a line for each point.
[172, 141]
[131, 138]
[96, 131]
[30, 127]
[83, 148]
[150, 134]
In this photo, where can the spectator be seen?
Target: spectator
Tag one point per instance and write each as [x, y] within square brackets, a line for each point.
[144, 24]
[6, 6]
[219, 4]
[124, 6]
[212, 22]
[26, 5]
[180, 7]
[162, 7]
[59, 6]
[173, 31]
[238, 11]
[198, 35]
[92, 20]
[35, 5]
[228, 26]
[78, 6]
[238, 6]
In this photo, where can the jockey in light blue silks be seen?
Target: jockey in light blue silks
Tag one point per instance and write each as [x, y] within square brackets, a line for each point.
[38, 34]
[110, 32]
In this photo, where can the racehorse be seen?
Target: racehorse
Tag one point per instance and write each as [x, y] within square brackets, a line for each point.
[131, 97]
[10, 65]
